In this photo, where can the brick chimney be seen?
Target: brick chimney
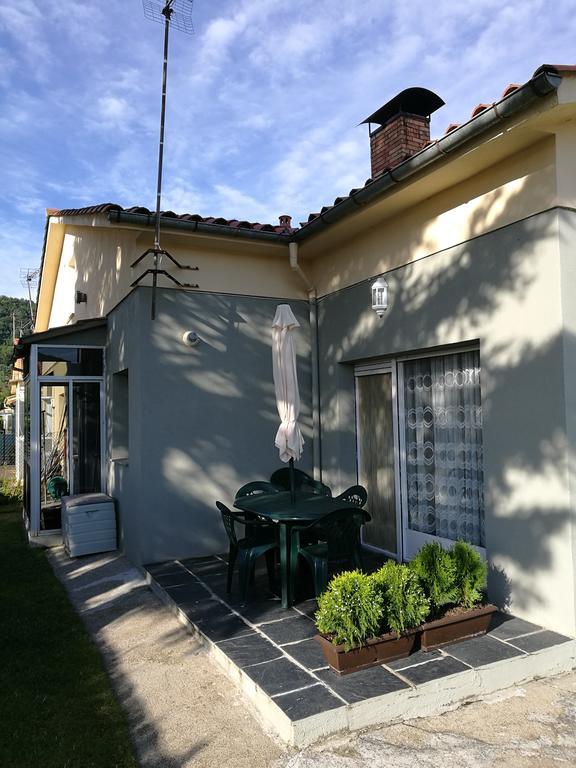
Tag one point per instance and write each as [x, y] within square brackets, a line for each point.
[403, 128]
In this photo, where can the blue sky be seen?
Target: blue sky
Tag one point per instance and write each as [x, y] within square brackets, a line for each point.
[264, 100]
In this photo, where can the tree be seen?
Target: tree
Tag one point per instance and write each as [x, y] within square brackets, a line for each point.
[10, 308]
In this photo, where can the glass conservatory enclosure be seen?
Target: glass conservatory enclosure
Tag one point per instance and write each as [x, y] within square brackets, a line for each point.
[66, 430]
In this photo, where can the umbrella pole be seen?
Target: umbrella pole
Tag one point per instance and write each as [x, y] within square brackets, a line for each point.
[292, 483]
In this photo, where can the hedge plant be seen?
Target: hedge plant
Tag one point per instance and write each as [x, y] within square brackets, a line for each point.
[470, 575]
[405, 605]
[435, 569]
[350, 609]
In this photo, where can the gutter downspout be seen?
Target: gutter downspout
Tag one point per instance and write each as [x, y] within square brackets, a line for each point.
[314, 354]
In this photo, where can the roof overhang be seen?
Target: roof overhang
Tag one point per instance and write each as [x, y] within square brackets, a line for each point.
[57, 334]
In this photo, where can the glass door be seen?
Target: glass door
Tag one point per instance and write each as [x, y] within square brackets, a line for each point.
[54, 452]
[441, 450]
[86, 437]
[70, 444]
[377, 458]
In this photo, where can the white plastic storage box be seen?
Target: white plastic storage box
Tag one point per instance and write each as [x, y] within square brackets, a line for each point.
[88, 524]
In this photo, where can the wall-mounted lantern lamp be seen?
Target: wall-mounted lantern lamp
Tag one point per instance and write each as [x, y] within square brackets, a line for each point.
[380, 296]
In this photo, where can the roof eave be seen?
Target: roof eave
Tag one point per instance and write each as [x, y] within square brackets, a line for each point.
[221, 230]
[545, 81]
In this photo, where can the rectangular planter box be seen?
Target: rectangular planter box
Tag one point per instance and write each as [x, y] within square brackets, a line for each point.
[377, 650]
[458, 626]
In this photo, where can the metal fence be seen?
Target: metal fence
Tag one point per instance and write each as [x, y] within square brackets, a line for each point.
[7, 449]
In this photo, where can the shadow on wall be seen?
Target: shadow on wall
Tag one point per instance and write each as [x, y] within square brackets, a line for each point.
[502, 288]
[210, 412]
[103, 258]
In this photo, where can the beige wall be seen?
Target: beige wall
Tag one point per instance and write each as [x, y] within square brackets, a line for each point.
[523, 185]
[97, 261]
[64, 291]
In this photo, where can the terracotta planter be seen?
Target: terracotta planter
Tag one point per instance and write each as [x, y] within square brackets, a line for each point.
[456, 626]
[377, 650]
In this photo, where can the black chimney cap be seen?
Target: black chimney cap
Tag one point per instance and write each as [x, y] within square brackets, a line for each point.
[415, 101]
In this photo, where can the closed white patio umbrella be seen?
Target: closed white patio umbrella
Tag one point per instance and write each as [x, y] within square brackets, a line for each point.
[289, 440]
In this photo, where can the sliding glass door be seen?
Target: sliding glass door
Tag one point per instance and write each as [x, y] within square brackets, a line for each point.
[420, 451]
[441, 451]
[377, 458]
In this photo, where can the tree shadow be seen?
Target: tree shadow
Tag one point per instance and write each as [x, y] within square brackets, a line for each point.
[500, 288]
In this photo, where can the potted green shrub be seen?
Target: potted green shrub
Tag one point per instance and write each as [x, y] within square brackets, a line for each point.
[434, 567]
[364, 620]
[404, 605]
[455, 583]
[349, 613]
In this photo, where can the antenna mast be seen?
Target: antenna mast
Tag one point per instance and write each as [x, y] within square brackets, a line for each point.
[29, 280]
[177, 13]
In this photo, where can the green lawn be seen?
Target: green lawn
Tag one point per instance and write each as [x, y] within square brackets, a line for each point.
[57, 709]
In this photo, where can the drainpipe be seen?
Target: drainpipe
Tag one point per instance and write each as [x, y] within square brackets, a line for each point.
[313, 314]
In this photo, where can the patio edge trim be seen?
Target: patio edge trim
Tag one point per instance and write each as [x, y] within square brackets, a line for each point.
[426, 699]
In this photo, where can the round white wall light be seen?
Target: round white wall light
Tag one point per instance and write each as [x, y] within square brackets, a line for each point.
[190, 338]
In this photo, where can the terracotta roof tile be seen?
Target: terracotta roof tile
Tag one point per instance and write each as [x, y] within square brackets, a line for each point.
[480, 108]
[138, 209]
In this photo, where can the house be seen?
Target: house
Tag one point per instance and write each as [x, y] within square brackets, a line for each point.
[456, 408]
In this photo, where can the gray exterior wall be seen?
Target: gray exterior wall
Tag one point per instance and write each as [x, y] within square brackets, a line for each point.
[508, 290]
[202, 419]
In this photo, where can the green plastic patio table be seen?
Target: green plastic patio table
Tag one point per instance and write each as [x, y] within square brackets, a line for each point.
[280, 509]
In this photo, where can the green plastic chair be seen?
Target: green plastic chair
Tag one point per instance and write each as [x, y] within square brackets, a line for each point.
[356, 494]
[338, 545]
[57, 487]
[256, 488]
[261, 540]
[302, 482]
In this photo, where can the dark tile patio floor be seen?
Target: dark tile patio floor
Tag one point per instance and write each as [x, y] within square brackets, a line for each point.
[274, 646]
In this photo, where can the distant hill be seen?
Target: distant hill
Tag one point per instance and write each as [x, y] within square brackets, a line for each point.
[21, 309]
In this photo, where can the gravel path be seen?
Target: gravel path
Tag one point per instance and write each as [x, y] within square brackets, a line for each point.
[182, 710]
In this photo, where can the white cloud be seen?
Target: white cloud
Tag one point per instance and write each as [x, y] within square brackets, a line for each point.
[113, 112]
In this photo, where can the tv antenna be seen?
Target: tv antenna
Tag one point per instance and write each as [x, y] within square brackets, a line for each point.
[178, 14]
[29, 280]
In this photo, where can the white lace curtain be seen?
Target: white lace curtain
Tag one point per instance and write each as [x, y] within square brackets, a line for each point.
[443, 417]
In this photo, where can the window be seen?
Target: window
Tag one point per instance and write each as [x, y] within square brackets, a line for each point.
[70, 361]
[120, 415]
